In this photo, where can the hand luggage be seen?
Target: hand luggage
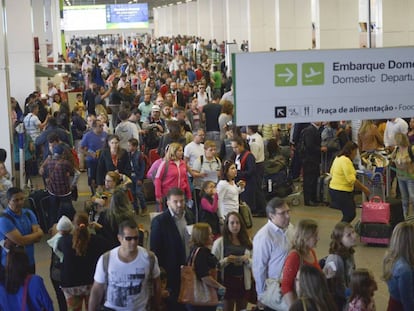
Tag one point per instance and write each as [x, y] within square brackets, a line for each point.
[148, 190]
[375, 211]
[322, 189]
[396, 211]
[375, 233]
[39, 200]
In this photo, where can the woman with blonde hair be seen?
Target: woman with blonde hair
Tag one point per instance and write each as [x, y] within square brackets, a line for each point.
[120, 209]
[398, 268]
[369, 137]
[302, 253]
[201, 242]
[172, 172]
[81, 251]
[402, 157]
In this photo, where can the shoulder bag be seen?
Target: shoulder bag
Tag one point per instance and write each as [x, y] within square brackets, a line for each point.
[194, 291]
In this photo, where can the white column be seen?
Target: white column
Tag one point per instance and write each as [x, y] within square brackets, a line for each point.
[39, 27]
[218, 20]
[56, 29]
[204, 22]
[5, 126]
[397, 22]
[175, 19]
[338, 24]
[156, 14]
[20, 48]
[192, 18]
[294, 25]
[261, 25]
[236, 20]
[168, 19]
[182, 18]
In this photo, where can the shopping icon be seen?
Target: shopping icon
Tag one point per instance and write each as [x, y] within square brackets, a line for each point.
[286, 74]
[313, 73]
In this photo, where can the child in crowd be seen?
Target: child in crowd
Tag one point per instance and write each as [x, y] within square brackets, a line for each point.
[64, 226]
[363, 286]
[80, 105]
[209, 207]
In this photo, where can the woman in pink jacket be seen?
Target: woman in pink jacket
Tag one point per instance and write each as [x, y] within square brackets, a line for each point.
[172, 173]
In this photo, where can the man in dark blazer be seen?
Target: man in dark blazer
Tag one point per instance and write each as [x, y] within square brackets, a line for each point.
[169, 241]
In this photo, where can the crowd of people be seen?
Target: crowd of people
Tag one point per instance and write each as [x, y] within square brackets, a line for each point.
[157, 100]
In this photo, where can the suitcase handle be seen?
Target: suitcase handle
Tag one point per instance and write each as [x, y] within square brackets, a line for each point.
[377, 199]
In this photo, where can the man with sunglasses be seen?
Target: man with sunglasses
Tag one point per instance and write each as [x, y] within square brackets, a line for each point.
[129, 273]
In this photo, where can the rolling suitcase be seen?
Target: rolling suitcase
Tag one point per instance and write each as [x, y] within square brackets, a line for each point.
[148, 190]
[396, 211]
[322, 189]
[39, 201]
[375, 233]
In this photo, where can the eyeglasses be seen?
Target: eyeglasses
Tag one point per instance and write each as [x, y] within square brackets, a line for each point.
[285, 213]
[130, 238]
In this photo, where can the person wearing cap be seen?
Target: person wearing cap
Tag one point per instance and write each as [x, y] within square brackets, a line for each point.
[57, 173]
[125, 129]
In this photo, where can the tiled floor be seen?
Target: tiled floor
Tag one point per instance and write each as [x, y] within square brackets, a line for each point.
[366, 256]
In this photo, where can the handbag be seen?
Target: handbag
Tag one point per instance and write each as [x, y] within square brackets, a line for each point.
[194, 291]
[272, 296]
[246, 214]
[375, 211]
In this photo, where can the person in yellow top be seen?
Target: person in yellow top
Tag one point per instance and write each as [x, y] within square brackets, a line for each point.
[79, 103]
[343, 182]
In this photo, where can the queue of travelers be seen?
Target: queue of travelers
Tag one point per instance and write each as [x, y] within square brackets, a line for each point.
[134, 105]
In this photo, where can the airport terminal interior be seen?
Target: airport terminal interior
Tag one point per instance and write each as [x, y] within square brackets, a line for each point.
[242, 26]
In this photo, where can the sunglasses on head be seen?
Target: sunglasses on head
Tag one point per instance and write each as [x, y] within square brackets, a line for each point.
[130, 238]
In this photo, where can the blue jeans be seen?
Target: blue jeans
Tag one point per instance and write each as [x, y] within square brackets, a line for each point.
[406, 185]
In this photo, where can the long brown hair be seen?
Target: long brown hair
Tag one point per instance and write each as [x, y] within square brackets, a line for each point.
[17, 269]
[305, 230]
[336, 246]
[243, 236]
[81, 235]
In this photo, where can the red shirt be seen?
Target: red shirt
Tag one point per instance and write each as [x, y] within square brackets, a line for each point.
[291, 268]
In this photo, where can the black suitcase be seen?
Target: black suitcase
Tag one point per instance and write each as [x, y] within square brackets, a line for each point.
[374, 233]
[39, 200]
[396, 211]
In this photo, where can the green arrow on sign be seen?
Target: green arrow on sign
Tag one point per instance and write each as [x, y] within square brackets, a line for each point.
[313, 73]
[286, 75]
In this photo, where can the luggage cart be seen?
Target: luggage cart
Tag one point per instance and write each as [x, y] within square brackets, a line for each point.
[375, 181]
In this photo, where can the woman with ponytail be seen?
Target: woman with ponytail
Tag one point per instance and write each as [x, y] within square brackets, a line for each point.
[81, 251]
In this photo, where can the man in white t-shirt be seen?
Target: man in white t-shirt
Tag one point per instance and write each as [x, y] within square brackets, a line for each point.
[125, 273]
[195, 149]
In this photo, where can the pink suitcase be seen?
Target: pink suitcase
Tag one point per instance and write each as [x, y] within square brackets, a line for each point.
[382, 241]
[375, 211]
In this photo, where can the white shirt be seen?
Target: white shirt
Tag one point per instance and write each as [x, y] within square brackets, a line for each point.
[193, 151]
[271, 247]
[228, 198]
[256, 144]
[127, 282]
[392, 128]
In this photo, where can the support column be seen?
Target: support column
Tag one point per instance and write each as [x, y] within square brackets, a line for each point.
[5, 126]
[182, 18]
[338, 24]
[236, 21]
[261, 25]
[168, 19]
[294, 25]
[175, 20]
[397, 22]
[218, 20]
[20, 48]
[39, 27]
[204, 23]
[192, 18]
